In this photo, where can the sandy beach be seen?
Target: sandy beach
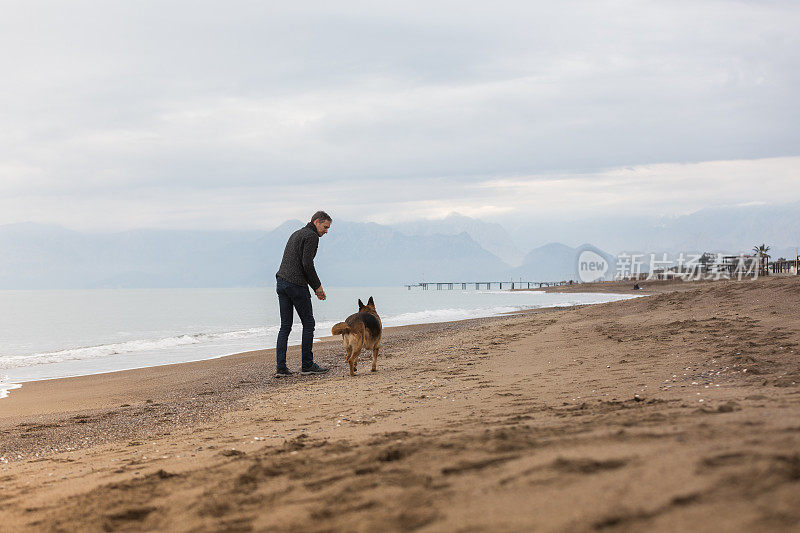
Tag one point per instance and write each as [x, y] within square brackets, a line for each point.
[677, 411]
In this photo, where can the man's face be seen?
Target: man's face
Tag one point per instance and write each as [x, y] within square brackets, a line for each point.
[322, 227]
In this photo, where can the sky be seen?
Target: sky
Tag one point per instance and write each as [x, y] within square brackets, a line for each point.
[242, 114]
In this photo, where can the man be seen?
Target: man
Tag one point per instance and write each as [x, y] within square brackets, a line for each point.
[292, 280]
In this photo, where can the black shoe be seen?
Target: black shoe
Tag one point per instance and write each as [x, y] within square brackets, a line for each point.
[283, 373]
[314, 369]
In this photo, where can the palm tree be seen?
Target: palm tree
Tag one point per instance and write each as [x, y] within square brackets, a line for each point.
[763, 257]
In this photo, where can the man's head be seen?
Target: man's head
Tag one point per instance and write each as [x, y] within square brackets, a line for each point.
[322, 221]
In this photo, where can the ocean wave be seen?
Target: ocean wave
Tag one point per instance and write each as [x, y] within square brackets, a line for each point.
[178, 341]
[129, 347]
[231, 341]
[445, 315]
[5, 386]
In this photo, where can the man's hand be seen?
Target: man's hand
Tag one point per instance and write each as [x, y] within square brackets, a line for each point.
[320, 293]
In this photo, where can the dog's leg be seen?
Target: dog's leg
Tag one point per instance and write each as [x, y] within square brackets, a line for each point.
[375, 358]
[348, 348]
[356, 351]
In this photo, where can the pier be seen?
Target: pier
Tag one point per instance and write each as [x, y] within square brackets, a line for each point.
[511, 285]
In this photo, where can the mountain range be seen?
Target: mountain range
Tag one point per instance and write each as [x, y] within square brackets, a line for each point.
[491, 236]
[456, 248]
[728, 229]
[38, 256]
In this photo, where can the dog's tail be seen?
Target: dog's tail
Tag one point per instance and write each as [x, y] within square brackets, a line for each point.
[340, 329]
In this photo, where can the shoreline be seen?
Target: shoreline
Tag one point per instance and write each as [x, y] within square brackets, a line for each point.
[9, 386]
[677, 411]
[64, 388]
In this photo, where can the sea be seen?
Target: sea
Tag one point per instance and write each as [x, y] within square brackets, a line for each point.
[46, 334]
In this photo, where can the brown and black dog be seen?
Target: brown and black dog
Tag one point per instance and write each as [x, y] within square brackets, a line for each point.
[361, 331]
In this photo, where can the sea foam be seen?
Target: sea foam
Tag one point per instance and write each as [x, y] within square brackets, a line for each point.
[5, 386]
[444, 315]
[129, 347]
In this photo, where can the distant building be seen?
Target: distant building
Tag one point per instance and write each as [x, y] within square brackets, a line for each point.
[785, 266]
[733, 265]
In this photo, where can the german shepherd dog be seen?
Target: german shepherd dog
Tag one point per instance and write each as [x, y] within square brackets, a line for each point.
[361, 330]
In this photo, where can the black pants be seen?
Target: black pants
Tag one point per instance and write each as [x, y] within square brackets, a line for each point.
[290, 297]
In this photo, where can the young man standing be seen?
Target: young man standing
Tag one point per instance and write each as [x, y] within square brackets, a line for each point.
[292, 280]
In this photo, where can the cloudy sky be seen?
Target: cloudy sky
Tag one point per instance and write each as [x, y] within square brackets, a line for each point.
[241, 114]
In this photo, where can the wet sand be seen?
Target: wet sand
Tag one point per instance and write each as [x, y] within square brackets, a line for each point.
[679, 411]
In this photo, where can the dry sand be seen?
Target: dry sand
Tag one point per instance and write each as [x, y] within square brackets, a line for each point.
[679, 411]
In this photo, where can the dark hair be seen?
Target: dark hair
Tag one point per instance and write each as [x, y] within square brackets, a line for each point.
[322, 216]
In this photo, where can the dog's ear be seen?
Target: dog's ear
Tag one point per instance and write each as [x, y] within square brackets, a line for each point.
[360, 304]
[371, 302]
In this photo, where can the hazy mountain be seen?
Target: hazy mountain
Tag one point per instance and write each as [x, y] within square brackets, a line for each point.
[492, 237]
[735, 228]
[38, 256]
[368, 253]
[730, 229]
[554, 262]
[457, 248]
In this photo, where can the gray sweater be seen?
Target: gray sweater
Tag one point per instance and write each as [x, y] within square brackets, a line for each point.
[297, 265]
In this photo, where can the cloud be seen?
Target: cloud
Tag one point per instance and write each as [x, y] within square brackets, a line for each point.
[660, 189]
[653, 190]
[148, 111]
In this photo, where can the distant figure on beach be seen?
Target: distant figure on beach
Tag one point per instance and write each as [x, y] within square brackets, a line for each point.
[294, 276]
[636, 287]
